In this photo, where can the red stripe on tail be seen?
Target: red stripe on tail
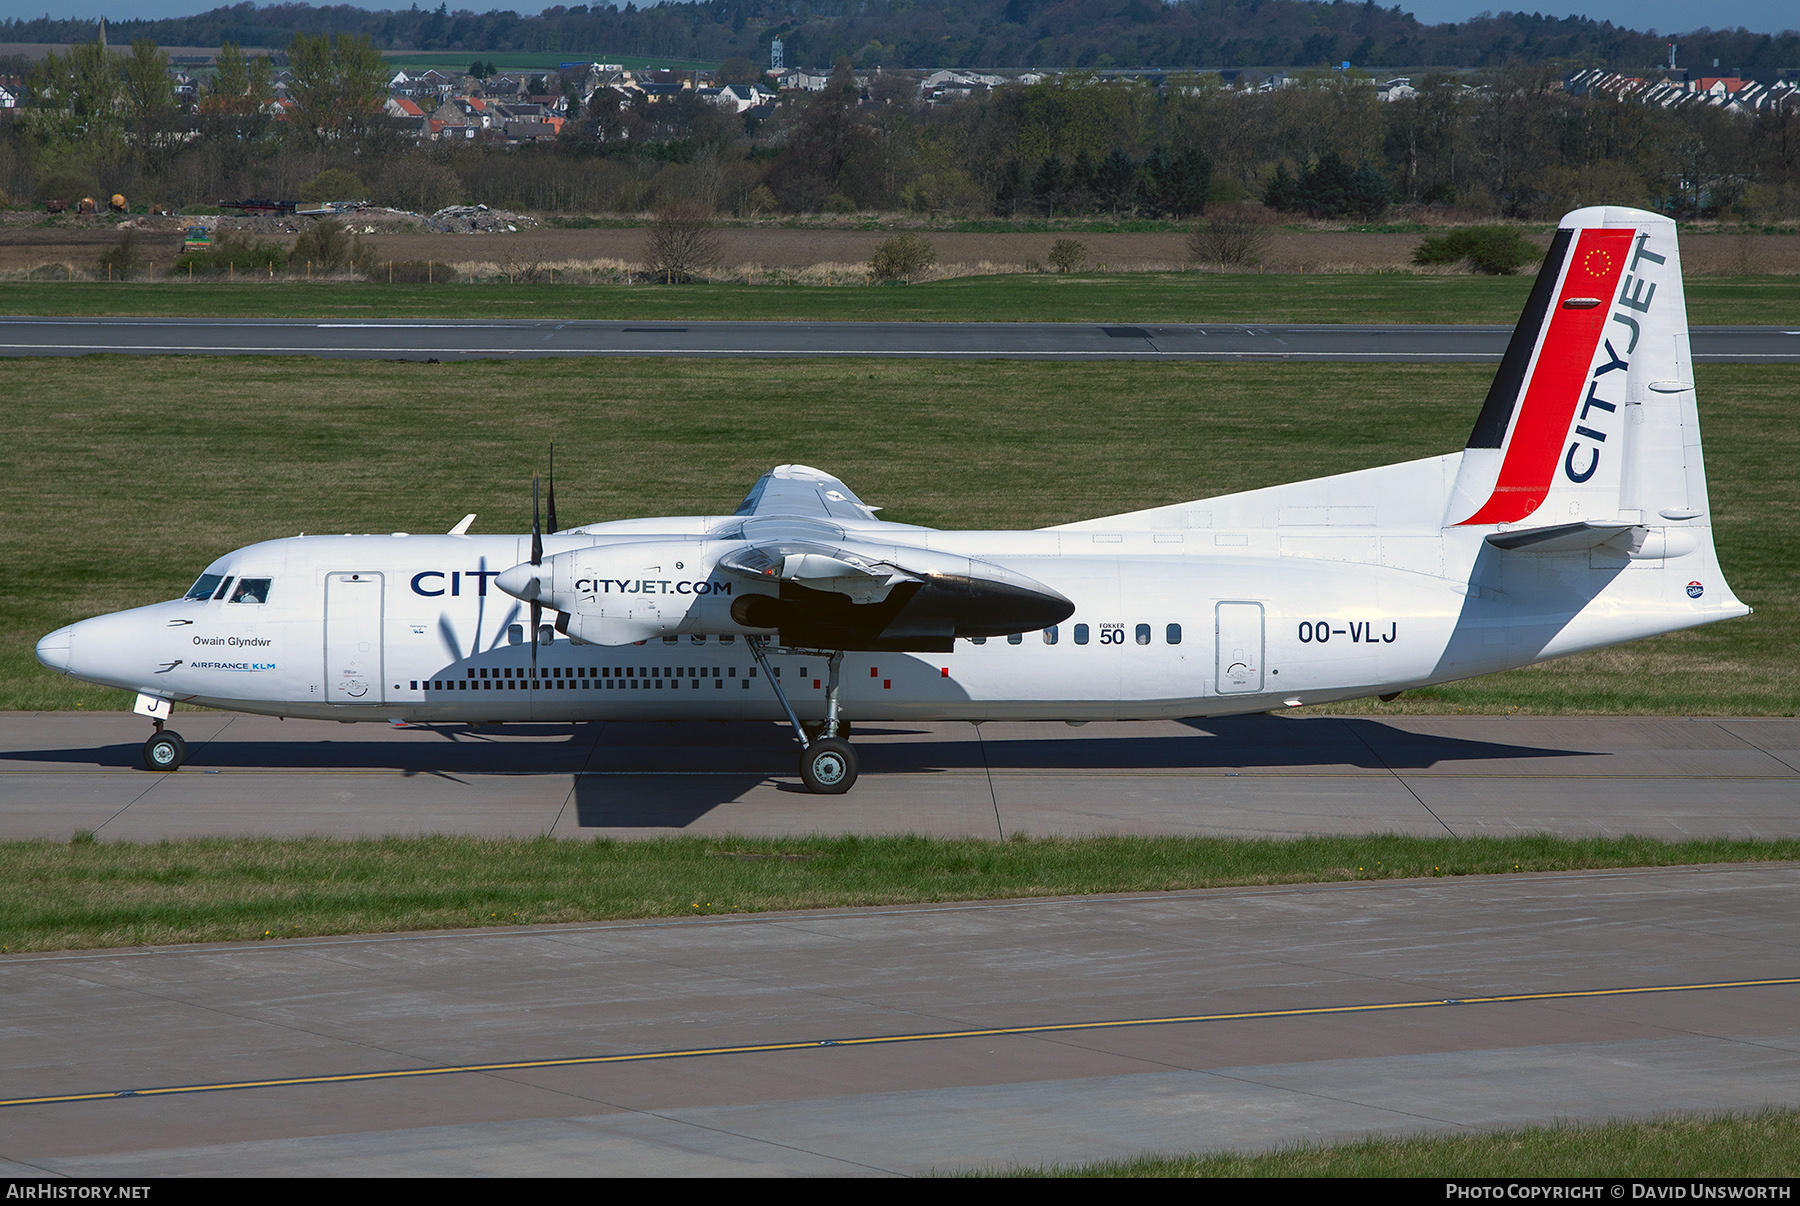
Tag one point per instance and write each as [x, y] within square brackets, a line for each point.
[1566, 354]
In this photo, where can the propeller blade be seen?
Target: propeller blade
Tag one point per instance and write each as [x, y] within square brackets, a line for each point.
[447, 634]
[537, 533]
[537, 558]
[553, 529]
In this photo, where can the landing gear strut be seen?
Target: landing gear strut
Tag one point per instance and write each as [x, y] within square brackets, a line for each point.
[827, 763]
[165, 751]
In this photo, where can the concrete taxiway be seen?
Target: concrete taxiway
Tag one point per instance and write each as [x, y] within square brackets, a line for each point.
[1523, 999]
[1668, 777]
[515, 339]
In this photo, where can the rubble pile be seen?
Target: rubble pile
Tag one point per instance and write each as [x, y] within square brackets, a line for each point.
[475, 219]
[161, 222]
[262, 224]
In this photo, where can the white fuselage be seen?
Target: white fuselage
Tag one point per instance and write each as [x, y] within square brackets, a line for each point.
[1168, 622]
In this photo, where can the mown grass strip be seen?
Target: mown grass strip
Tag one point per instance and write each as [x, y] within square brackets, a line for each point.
[1129, 297]
[1765, 1143]
[84, 893]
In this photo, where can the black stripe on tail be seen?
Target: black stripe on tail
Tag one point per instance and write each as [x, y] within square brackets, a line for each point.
[1503, 394]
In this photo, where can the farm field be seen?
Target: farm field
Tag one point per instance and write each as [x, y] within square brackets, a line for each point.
[124, 477]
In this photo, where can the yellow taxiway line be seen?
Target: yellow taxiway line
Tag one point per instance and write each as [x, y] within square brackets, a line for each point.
[876, 1040]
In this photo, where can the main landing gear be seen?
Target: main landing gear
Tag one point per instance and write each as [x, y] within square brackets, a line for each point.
[827, 763]
[165, 751]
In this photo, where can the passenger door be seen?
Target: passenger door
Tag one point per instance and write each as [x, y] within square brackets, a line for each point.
[1239, 629]
[353, 661]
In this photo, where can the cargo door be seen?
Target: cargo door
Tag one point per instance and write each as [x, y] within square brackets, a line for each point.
[353, 667]
[1240, 648]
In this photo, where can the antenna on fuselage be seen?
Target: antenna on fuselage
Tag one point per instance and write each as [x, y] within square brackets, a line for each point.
[553, 529]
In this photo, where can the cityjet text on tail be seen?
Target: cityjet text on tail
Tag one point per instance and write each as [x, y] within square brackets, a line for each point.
[1575, 518]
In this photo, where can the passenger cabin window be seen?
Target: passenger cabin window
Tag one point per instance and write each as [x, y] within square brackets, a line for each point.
[1014, 638]
[251, 590]
[515, 634]
[1174, 634]
[204, 586]
[1081, 634]
[1143, 634]
[1050, 635]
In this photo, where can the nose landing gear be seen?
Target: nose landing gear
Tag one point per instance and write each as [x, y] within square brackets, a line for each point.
[165, 751]
[827, 763]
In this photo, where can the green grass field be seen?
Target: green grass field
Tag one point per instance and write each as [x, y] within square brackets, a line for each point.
[122, 477]
[83, 893]
[1081, 297]
[1763, 1144]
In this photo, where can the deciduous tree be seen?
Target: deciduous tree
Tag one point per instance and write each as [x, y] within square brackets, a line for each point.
[339, 88]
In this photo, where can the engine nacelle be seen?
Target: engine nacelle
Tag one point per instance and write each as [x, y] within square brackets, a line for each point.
[620, 593]
[844, 597]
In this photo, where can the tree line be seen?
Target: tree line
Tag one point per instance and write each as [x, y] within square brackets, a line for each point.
[1513, 144]
[965, 33]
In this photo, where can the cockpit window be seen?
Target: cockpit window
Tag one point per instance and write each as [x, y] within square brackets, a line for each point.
[251, 590]
[204, 587]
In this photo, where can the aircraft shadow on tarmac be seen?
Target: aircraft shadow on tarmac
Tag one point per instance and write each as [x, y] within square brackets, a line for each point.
[749, 755]
[664, 775]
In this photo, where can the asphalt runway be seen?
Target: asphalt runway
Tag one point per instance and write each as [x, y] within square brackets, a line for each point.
[1667, 777]
[516, 339]
[905, 1040]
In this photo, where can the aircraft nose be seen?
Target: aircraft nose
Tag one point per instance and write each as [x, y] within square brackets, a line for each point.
[521, 581]
[57, 649]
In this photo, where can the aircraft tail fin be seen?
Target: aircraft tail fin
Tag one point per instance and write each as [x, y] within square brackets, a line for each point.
[1591, 417]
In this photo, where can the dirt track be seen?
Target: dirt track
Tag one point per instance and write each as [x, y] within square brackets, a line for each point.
[28, 247]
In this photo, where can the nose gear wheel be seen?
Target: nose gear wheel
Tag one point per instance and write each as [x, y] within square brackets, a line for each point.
[165, 750]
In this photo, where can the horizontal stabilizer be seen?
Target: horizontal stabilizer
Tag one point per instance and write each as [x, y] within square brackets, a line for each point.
[1559, 538]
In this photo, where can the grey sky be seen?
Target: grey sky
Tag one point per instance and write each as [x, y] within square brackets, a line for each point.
[1762, 16]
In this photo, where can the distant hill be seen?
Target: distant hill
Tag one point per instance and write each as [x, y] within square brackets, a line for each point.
[967, 33]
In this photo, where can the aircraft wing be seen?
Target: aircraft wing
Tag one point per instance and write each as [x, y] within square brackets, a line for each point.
[835, 592]
[808, 565]
[801, 490]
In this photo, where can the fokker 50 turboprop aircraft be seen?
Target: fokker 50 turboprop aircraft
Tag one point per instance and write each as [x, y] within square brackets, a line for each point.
[1575, 518]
